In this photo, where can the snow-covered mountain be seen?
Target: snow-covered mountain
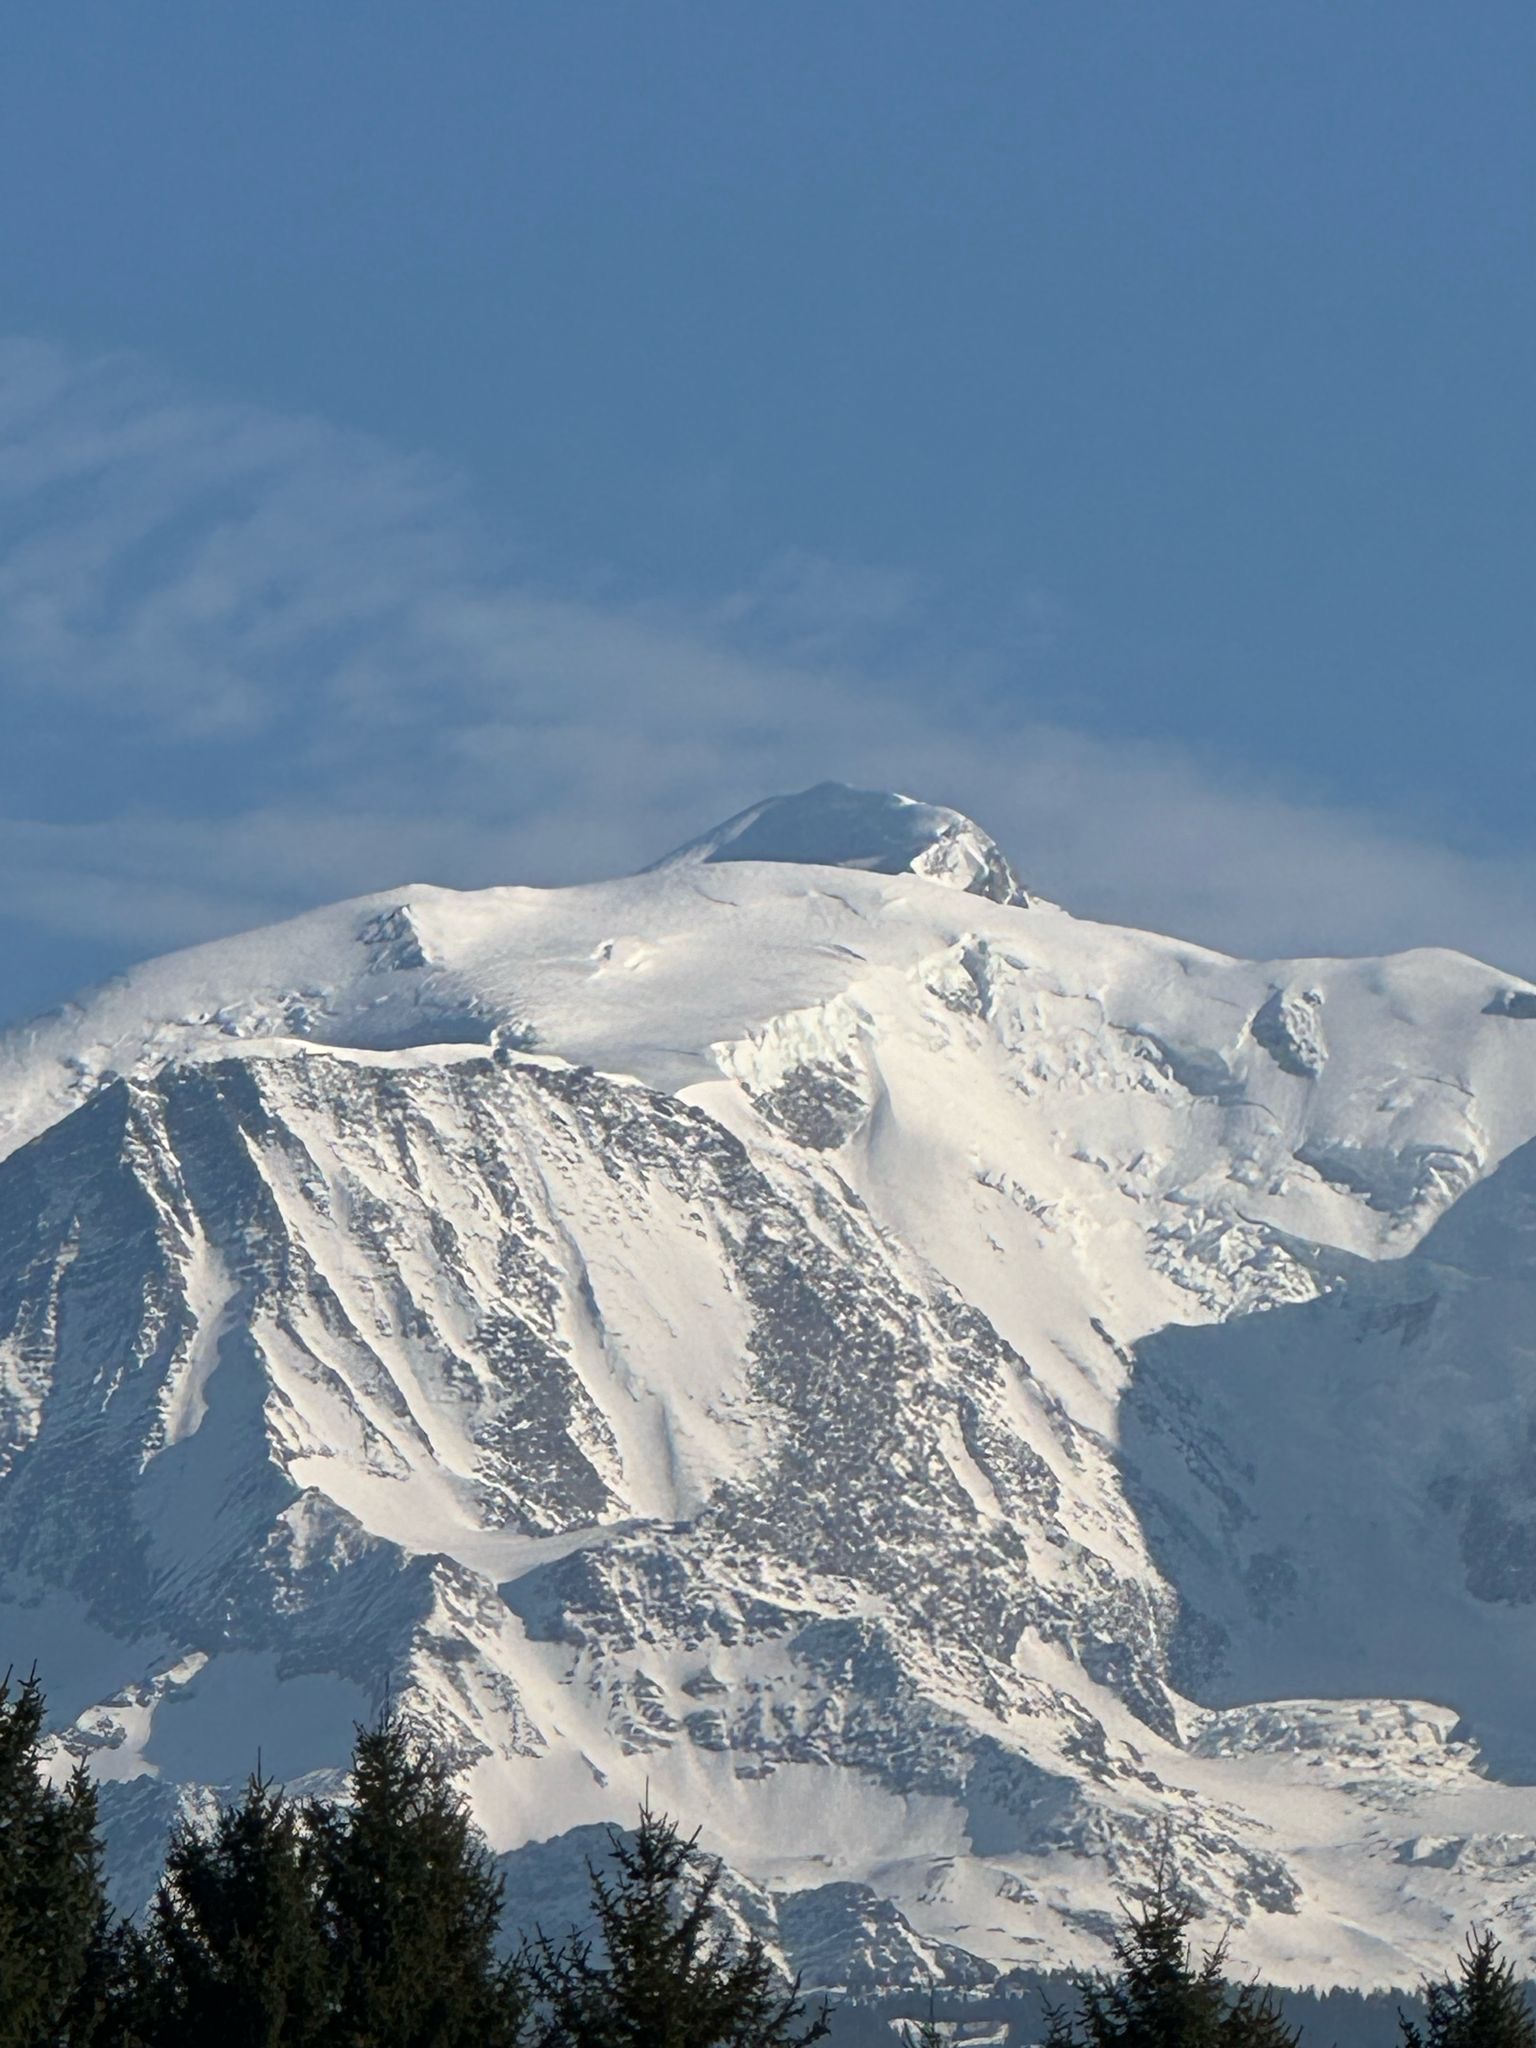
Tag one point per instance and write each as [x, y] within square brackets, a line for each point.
[945, 1393]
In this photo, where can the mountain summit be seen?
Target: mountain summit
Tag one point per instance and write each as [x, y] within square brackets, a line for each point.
[949, 1395]
[835, 826]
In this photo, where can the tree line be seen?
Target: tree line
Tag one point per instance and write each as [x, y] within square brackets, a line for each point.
[1160, 1994]
[375, 1922]
[368, 1922]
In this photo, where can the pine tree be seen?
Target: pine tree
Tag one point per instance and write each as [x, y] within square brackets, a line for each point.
[667, 1976]
[235, 1946]
[411, 1907]
[1485, 2007]
[53, 1912]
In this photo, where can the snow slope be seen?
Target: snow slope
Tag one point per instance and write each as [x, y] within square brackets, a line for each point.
[814, 1329]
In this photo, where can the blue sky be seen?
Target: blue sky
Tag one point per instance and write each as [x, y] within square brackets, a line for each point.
[489, 442]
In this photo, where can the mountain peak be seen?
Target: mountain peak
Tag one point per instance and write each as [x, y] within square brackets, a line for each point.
[880, 831]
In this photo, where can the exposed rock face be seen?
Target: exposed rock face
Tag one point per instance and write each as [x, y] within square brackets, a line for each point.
[897, 1372]
[1289, 1026]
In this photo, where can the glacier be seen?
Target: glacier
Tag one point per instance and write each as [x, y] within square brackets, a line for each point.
[949, 1395]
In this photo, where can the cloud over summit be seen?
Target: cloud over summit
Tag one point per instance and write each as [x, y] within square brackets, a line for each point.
[251, 662]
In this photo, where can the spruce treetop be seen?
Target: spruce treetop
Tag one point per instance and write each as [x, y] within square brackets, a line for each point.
[667, 1974]
[1483, 2006]
[1160, 1995]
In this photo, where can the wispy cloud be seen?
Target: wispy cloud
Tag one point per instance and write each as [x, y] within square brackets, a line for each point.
[249, 662]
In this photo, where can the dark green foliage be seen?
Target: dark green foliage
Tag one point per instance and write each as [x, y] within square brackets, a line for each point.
[122, 1994]
[1484, 2006]
[1159, 1996]
[1059, 2031]
[410, 1907]
[235, 1945]
[372, 1925]
[1254, 2020]
[53, 1916]
[668, 1976]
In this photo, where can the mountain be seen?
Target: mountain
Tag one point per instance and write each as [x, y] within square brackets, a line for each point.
[947, 1394]
[838, 827]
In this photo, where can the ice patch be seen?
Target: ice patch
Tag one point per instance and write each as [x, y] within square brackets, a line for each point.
[835, 826]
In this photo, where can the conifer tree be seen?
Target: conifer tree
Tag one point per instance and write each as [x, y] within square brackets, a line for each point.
[235, 1946]
[1254, 2020]
[119, 1999]
[667, 1976]
[411, 1907]
[53, 1912]
[1059, 2030]
[1159, 1996]
[1485, 2006]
